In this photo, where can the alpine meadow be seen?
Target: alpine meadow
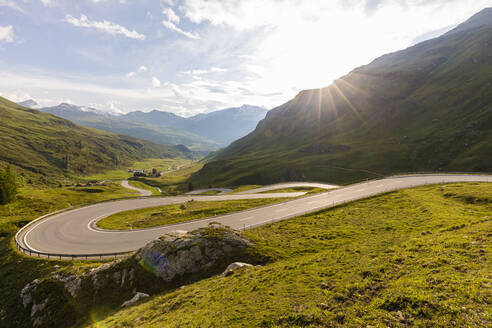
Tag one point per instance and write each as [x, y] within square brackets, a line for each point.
[245, 163]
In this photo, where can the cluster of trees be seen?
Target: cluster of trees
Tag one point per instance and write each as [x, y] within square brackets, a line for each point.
[141, 173]
[8, 186]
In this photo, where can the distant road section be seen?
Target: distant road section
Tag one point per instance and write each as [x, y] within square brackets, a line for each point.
[72, 232]
[288, 185]
[277, 186]
[221, 191]
[142, 192]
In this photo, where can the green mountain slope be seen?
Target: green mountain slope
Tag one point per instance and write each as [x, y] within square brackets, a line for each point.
[426, 108]
[44, 144]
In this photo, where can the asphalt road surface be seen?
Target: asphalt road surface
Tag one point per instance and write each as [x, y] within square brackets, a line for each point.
[73, 232]
[142, 192]
[288, 185]
[221, 191]
[277, 186]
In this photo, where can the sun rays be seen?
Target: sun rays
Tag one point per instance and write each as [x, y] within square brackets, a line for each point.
[347, 101]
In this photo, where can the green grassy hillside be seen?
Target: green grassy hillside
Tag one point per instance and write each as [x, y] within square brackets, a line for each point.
[40, 144]
[411, 258]
[426, 108]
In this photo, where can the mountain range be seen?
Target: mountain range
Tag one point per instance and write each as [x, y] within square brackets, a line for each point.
[202, 132]
[425, 108]
[43, 145]
[222, 126]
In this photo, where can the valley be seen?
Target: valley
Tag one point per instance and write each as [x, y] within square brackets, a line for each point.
[48, 149]
[202, 133]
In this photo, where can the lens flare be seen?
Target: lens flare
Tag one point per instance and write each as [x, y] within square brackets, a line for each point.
[352, 107]
[154, 262]
[96, 318]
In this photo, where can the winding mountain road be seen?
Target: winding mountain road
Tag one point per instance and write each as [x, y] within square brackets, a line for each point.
[73, 232]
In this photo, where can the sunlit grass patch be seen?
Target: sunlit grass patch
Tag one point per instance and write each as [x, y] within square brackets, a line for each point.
[141, 185]
[170, 214]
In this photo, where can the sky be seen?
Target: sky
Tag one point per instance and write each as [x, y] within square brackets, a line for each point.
[194, 56]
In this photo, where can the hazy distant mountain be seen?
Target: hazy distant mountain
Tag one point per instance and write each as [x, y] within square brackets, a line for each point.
[425, 108]
[29, 103]
[75, 111]
[227, 125]
[222, 126]
[120, 124]
[203, 132]
[157, 117]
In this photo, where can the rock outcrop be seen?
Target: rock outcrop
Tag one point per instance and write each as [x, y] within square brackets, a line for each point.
[168, 262]
[234, 267]
[137, 298]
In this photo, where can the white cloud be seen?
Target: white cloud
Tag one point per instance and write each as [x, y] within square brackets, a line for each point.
[49, 90]
[97, 1]
[204, 71]
[247, 14]
[171, 20]
[47, 3]
[7, 33]
[104, 26]
[16, 96]
[171, 15]
[155, 82]
[307, 44]
[239, 14]
[11, 5]
[174, 28]
[114, 108]
[139, 70]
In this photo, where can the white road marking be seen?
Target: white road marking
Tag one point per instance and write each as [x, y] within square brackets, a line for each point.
[91, 222]
[27, 244]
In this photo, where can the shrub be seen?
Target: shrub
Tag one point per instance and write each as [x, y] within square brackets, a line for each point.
[8, 186]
